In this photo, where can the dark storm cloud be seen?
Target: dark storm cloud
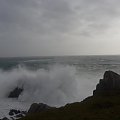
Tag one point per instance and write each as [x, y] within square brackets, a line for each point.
[51, 27]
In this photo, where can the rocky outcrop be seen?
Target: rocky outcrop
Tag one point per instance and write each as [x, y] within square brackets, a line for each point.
[14, 112]
[15, 115]
[15, 93]
[35, 108]
[109, 85]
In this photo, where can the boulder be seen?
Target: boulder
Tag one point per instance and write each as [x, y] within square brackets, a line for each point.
[35, 108]
[109, 85]
[15, 93]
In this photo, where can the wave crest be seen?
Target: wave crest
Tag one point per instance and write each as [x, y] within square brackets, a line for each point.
[56, 86]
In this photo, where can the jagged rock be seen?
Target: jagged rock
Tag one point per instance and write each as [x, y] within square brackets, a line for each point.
[15, 93]
[109, 85]
[38, 108]
[14, 112]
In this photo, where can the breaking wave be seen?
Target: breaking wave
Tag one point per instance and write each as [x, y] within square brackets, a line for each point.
[57, 85]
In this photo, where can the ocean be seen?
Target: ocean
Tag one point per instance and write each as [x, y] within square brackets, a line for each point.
[55, 81]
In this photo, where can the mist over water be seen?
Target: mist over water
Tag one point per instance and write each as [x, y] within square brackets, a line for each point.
[56, 86]
[55, 81]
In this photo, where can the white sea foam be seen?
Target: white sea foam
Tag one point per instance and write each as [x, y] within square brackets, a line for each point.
[57, 86]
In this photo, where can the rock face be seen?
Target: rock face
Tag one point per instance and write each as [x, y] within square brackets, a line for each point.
[38, 108]
[109, 85]
[15, 93]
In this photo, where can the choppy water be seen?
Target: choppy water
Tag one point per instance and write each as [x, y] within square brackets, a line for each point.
[82, 62]
[52, 80]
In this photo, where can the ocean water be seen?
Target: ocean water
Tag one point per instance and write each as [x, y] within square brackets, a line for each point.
[55, 81]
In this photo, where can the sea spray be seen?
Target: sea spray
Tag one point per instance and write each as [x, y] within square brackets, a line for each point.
[55, 86]
[55, 81]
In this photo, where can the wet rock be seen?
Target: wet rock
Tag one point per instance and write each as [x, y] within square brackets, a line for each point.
[14, 112]
[15, 93]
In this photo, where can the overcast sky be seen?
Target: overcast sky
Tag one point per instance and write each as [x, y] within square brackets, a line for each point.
[59, 27]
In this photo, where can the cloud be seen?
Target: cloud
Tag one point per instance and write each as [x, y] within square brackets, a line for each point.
[96, 16]
[51, 27]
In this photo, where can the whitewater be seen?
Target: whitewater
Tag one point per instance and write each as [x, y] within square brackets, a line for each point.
[55, 81]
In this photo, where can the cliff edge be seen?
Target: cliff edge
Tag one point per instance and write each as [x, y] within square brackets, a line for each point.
[109, 85]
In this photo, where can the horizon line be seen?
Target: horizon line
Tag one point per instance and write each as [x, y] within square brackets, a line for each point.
[60, 55]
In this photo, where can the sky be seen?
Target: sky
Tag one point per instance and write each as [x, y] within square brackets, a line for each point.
[59, 27]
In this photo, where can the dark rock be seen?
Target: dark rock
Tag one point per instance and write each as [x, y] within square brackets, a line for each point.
[38, 108]
[5, 118]
[109, 85]
[11, 113]
[15, 93]
[104, 105]
[19, 116]
[14, 112]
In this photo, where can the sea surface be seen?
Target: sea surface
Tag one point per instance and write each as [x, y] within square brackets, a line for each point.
[55, 81]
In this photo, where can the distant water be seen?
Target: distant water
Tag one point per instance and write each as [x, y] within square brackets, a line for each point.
[82, 62]
[52, 80]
